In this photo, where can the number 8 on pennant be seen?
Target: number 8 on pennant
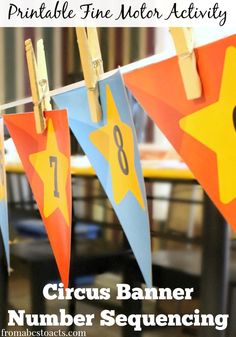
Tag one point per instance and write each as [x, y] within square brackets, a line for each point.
[121, 153]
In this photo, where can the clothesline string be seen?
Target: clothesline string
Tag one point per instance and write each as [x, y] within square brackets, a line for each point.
[123, 69]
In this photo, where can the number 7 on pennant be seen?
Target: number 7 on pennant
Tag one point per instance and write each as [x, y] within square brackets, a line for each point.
[53, 161]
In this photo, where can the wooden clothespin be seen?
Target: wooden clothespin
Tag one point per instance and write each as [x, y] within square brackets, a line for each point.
[92, 65]
[183, 41]
[38, 83]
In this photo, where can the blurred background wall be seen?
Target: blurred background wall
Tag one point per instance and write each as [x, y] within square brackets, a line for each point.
[119, 46]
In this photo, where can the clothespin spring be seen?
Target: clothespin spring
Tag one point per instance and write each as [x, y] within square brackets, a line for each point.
[92, 65]
[184, 46]
[38, 83]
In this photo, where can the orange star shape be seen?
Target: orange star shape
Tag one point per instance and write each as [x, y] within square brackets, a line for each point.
[52, 166]
[214, 126]
[115, 141]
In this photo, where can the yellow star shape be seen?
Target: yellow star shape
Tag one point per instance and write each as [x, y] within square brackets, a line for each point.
[116, 143]
[214, 127]
[52, 167]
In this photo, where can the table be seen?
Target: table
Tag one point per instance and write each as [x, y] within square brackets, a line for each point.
[215, 234]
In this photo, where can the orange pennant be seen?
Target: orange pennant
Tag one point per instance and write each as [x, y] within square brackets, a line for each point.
[46, 161]
[203, 131]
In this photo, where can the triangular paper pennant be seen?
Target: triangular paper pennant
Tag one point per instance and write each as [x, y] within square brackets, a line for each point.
[3, 197]
[111, 147]
[46, 161]
[203, 131]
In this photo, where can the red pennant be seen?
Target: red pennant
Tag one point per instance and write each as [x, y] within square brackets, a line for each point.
[46, 161]
[202, 130]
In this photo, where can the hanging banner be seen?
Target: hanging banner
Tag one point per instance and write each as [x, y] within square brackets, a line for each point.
[3, 197]
[46, 161]
[111, 148]
[203, 131]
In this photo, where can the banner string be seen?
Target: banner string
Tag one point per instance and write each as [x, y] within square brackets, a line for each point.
[123, 70]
